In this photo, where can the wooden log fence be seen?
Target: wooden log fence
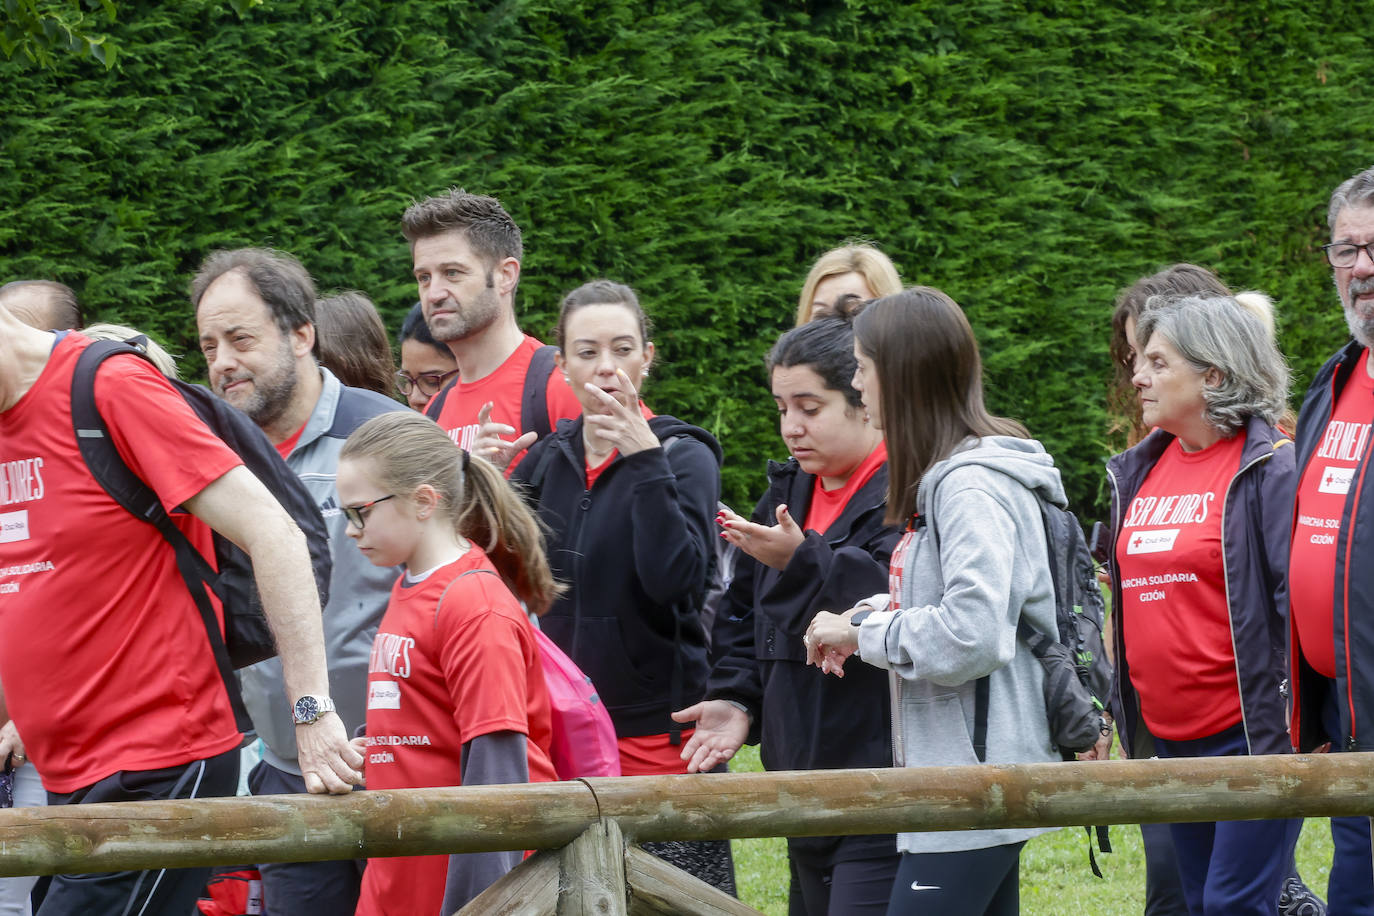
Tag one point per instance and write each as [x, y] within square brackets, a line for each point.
[295, 828]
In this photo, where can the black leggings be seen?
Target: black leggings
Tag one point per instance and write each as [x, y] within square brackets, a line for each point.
[977, 882]
[858, 887]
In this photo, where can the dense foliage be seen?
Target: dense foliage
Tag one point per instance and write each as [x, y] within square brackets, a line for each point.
[1030, 158]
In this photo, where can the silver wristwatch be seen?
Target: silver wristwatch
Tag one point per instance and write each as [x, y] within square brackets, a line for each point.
[309, 708]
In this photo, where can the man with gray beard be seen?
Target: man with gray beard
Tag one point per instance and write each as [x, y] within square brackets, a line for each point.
[1331, 594]
[255, 313]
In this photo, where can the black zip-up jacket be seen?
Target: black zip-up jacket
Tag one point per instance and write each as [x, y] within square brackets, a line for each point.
[807, 720]
[1353, 609]
[635, 552]
[1255, 516]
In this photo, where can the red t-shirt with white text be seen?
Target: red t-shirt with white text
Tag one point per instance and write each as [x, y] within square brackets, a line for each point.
[1176, 622]
[1321, 503]
[503, 388]
[103, 655]
[438, 678]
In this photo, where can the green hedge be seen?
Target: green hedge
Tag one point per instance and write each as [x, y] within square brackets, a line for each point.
[1028, 158]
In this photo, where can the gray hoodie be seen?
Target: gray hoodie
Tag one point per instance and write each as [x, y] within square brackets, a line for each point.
[971, 572]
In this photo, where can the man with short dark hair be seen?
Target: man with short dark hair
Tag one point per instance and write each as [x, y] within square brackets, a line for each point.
[255, 313]
[1331, 593]
[43, 304]
[106, 668]
[466, 251]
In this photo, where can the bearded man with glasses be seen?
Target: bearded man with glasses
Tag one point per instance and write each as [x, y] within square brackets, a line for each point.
[1331, 593]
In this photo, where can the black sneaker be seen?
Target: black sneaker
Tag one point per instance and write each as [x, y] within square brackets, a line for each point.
[1297, 899]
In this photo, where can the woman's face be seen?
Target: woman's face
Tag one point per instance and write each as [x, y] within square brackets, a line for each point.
[423, 362]
[828, 437]
[866, 383]
[599, 340]
[1170, 388]
[835, 287]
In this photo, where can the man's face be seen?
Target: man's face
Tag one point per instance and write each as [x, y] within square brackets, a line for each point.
[459, 294]
[1355, 284]
[252, 364]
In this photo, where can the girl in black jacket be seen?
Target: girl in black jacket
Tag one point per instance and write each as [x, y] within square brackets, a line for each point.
[816, 542]
[629, 500]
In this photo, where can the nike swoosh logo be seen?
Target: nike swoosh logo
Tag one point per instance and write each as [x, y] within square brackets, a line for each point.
[918, 886]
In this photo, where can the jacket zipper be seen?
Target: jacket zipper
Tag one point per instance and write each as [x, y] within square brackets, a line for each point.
[1226, 584]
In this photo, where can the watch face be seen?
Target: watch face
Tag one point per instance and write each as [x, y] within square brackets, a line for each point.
[307, 710]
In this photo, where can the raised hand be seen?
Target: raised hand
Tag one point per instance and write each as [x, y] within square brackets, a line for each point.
[771, 545]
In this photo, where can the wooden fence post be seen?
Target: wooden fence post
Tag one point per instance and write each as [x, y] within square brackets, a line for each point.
[591, 873]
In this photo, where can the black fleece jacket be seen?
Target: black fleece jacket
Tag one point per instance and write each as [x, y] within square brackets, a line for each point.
[806, 720]
[635, 552]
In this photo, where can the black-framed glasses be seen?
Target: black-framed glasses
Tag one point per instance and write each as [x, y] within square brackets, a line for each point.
[429, 383]
[1345, 254]
[354, 514]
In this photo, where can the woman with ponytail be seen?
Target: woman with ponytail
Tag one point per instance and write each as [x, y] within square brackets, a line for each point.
[456, 694]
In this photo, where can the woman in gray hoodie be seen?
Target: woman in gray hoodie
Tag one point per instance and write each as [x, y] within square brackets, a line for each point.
[966, 485]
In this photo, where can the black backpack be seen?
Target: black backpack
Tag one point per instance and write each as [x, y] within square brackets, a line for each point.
[534, 396]
[246, 638]
[1078, 675]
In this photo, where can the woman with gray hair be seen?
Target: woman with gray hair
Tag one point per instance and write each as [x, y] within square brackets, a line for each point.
[1200, 520]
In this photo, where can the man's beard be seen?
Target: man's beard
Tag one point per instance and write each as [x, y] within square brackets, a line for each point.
[471, 318]
[272, 393]
[1361, 325]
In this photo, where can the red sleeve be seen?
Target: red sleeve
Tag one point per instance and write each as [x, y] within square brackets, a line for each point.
[485, 656]
[563, 404]
[157, 433]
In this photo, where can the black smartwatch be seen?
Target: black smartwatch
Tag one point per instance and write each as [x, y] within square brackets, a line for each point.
[858, 619]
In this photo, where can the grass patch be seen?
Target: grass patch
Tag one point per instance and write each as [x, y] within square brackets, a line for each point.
[1055, 877]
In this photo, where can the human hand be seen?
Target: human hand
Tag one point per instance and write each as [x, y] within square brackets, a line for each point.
[830, 640]
[11, 745]
[1102, 750]
[329, 762]
[620, 424]
[771, 545]
[721, 728]
[489, 443]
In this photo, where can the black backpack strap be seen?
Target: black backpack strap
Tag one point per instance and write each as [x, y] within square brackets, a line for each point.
[980, 718]
[534, 398]
[136, 497]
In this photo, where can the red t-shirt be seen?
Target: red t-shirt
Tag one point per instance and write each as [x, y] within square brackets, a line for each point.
[103, 654]
[652, 755]
[504, 389]
[285, 447]
[826, 505]
[438, 678]
[1321, 502]
[1176, 624]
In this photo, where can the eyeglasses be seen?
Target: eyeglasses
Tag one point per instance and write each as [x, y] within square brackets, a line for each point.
[354, 514]
[429, 383]
[1345, 254]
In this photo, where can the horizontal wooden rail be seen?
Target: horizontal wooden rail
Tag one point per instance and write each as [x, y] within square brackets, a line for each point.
[297, 828]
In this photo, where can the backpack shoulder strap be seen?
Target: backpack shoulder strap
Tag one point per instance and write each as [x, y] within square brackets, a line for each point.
[444, 594]
[127, 489]
[534, 398]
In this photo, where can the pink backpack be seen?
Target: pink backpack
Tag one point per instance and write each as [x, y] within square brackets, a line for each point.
[583, 737]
